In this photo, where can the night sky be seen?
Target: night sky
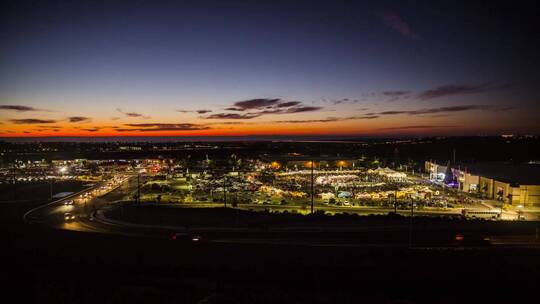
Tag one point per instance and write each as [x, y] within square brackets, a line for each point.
[144, 68]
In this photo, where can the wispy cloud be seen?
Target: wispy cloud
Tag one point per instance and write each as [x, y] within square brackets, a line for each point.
[449, 109]
[262, 106]
[132, 114]
[19, 108]
[417, 127]
[32, 121]
[437, 92]
[94, 129]
[233, 116]
[393, 21]
[258, 103]
[203, 111]
[449, 90]
[329, 119]
[150, 127]
[79, 119]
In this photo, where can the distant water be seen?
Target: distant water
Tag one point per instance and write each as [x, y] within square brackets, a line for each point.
[97, 139]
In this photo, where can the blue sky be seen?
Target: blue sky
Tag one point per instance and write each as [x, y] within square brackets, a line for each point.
[91, 58]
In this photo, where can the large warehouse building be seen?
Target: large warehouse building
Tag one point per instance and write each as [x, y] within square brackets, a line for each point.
[513, 184]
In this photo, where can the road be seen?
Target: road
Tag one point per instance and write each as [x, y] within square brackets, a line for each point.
[52, 214]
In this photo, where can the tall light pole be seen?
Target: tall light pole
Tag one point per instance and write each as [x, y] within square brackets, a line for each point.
[312, 194]
[395, 202]
[224, 191]
[411, 222]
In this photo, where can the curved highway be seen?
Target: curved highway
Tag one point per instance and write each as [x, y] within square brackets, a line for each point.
[86, 206]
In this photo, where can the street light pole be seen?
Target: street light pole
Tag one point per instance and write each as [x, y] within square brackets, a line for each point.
[411, 222]
[312, 194]
[395, 202]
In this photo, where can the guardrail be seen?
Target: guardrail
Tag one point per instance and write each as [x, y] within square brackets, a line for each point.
[26, 216]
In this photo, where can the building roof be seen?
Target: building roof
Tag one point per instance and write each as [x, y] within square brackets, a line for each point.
[523, 174]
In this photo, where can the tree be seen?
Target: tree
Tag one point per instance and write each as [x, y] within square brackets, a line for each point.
[395, 160]
[448, 175]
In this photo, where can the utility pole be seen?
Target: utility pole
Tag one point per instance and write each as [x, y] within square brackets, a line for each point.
[224, 191]
[312, 194]
[13, 176]
[411, 223]
[395, 201]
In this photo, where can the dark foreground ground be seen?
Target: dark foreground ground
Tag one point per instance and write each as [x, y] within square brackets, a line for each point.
[42, 265]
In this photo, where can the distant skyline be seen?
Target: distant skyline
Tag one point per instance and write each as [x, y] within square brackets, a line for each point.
[266, 68]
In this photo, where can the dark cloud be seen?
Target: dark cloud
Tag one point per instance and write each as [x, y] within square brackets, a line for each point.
[395, 93]
[95, 129]
[450, 109]
[258, 103]
[18, 108]
[289, 104]
[417, 127]
[329, 119]
[262, 106]
[395, 22]
[78, 119]
[441, 91]
[340, 101]
[302, 109]
[393, 112]
[227, 123]
[197, 111]
[31, 121]
[132, 114]
[233, 116]
[449, 90]
[203, 111]
[149, 127]
[368, 117]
